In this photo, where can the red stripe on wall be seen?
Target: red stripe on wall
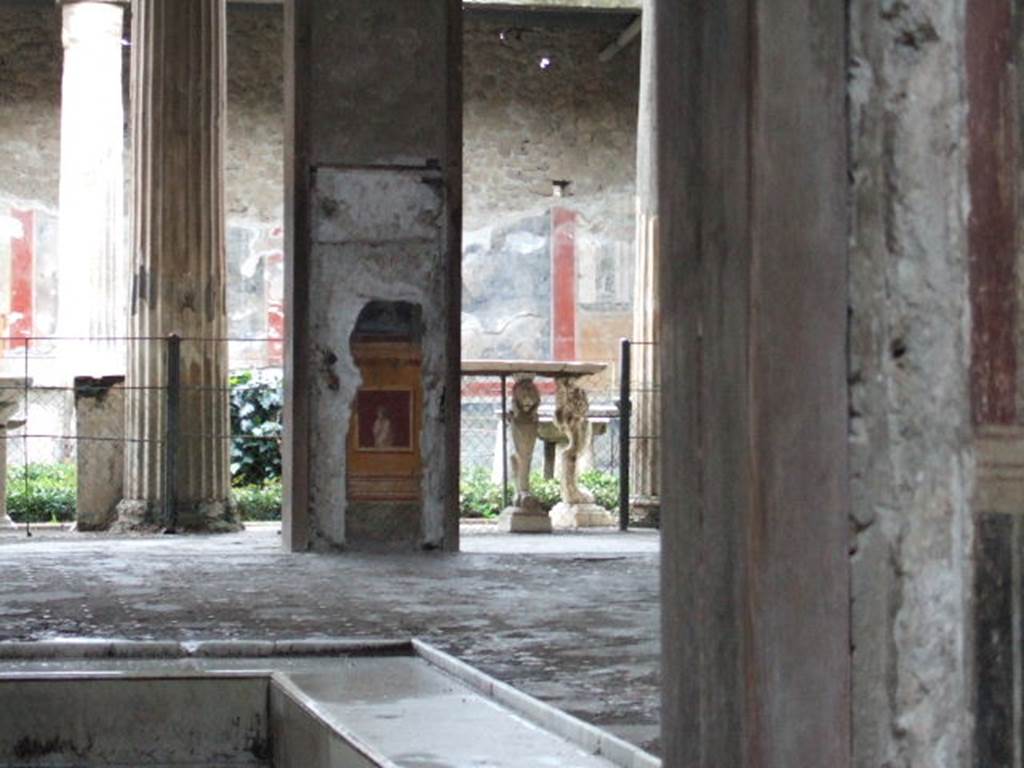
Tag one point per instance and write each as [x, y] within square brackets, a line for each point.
[22, 293]
[563, 283]
[991, 229]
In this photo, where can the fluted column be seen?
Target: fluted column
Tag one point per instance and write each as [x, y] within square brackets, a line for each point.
[92, 268]
[645, 459]
[178, 277]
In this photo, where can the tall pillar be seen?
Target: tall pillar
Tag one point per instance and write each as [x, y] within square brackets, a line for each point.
[373, 159]
[91, 231]
[753, 237]
[178, 273]
[645, 458]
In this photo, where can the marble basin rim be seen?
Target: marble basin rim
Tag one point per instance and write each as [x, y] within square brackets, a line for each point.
[315, 703]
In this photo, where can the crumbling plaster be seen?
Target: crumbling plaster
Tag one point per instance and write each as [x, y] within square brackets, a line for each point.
[911, 463]
[352, 264]
[376, 179]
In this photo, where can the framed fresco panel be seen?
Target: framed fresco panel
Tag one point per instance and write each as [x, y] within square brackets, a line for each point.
[384, 420]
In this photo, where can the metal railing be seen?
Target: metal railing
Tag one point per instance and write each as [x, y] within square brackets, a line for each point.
[40, 375]
[634, 429]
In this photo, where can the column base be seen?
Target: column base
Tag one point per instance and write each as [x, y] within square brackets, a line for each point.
[581, 516]
[141, 516]
[645, 512]
[530, 517]
[6, 524]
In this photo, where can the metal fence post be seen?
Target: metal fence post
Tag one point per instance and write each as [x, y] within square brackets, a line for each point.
[504, 442]
[172, 401]
[625, 418]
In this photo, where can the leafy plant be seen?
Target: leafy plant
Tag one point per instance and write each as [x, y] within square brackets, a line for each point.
[256, 405]
[604, 486]
[548, 492]
[42, 493]
[479, 496]
[259, 502]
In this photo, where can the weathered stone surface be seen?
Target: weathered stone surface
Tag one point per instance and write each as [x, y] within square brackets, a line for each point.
[179, 268]
[99, 422]
[752, 157]
[254, 159]
[30, 68]
[525, 423]
[571, 417]
[581, 515]
[526, 126]
[375, 99]
[526, 516]
[911, 466]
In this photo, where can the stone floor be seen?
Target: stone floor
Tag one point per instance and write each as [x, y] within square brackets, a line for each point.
[569, 618]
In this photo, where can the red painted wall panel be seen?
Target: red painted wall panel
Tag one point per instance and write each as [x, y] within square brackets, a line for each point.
[992, 168]
[22, 282]
[563, 283]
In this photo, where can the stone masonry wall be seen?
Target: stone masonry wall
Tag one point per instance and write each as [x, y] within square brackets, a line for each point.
[910, 435]
[527, 126]
[524, 127]
[255, 143]
[30, 63]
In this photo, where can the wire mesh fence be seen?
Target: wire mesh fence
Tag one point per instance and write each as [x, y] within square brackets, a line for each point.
[640, 438]
[485, 464]
[72, 419]
[69, 411]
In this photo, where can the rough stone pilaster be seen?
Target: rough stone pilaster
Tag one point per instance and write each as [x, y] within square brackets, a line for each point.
[178, 273]
[911, 466]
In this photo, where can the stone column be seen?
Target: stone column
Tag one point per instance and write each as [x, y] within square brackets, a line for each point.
[645, 458]
[178, 273]
[91, 232]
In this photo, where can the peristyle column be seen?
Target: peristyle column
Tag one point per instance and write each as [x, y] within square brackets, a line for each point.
[91, 231]
[645, 458]
[178, 274]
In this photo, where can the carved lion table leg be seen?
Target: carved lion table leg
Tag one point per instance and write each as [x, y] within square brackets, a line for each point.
[526, 514]
[577, 508]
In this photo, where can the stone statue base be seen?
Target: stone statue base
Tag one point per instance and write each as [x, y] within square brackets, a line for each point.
[645, 512]
[582, 516]
[528, 517]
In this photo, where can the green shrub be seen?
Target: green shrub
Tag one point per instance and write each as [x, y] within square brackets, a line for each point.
[548, 492]
[256, 404]
[42, 493]
[604, 486]
[259, 502]
[479, 496]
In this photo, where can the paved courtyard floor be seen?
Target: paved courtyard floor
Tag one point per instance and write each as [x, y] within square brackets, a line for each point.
[569, 618]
